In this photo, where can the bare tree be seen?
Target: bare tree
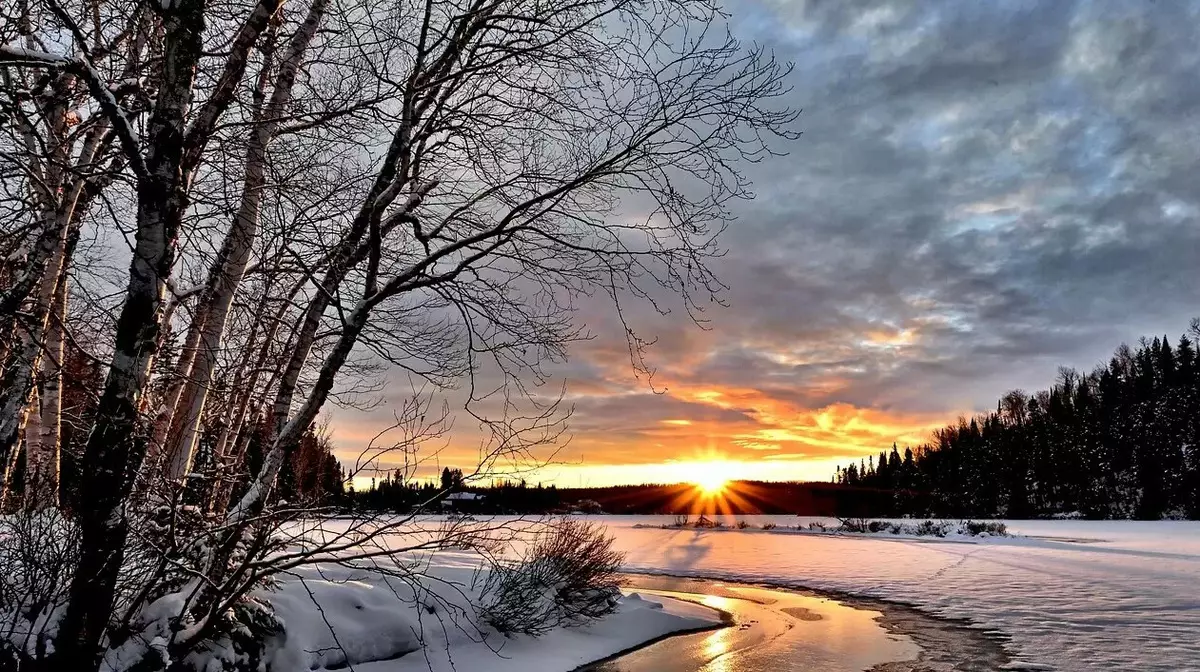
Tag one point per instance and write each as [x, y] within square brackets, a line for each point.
[57, 147]
[227, 273]
[162, 165]
[439, 182]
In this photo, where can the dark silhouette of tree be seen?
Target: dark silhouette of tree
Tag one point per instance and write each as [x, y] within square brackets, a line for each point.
[452, 479]
[1119, 442]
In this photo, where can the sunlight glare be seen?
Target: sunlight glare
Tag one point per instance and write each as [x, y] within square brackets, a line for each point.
[709, 477]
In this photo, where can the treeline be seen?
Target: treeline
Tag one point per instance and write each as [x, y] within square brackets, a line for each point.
[394, 493]
[1120, 442]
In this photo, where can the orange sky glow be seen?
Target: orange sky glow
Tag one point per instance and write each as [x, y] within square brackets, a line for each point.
[638, 435]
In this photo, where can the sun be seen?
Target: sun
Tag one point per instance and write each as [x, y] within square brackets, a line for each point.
[707, 477]
[711, 484]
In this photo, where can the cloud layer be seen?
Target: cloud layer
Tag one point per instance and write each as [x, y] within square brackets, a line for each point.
[983, 191]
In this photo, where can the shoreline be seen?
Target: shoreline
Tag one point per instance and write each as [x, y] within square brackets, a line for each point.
[725, 622]
[948, 643]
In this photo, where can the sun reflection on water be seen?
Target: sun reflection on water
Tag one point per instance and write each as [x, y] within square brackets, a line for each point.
[718, 644]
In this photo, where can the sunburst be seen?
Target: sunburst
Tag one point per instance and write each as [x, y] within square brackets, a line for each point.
[709, 477]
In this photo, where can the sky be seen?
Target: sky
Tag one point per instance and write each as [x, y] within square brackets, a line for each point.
[982, 192]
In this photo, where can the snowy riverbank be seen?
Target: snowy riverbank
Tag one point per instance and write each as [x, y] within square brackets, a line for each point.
[373, 621]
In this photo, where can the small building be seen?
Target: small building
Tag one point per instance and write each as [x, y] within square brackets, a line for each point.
[462, 502]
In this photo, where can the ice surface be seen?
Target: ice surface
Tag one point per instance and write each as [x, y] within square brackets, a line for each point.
[1073, 595]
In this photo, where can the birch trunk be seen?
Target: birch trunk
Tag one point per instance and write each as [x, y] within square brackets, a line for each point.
[18, 380]
[226, 275]
[31, 432]
[164, 420]
[289, 435]
[59, 223]
[42, 447]
[10, 463]
[229, 450]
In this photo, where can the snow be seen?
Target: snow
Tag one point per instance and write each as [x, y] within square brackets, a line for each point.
[18, 53]
[380, 623]
[1071, 595]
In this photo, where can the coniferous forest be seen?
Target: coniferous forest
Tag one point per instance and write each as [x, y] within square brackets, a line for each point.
[1122, 441]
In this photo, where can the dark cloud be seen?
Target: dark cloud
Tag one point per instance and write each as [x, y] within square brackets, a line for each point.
[1014, 182]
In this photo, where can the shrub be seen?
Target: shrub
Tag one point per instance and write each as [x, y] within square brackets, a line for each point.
[769, 526]
[38, 555]
[741, 525]
[568, 576]
[855, 525]
[976, 529]
[928, 528]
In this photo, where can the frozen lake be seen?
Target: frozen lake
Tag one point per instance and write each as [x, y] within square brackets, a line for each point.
[1070, 595]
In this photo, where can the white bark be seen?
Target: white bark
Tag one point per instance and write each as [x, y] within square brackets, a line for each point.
[43, 447]
[292, 430]
[116, 446]
[13, 457]
[57, 219]
[25, 360]
[226, 275]
[163, 422]
[32, 433]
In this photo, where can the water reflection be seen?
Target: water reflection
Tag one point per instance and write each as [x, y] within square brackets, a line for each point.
[719, 642]
[771, 631]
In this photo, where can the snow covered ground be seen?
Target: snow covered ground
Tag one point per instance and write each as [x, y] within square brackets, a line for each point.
[1072, 595]
[339, 618]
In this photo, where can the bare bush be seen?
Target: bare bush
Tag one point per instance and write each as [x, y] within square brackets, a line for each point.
[568, 576]
[929, 528]
[984, 528]
[38, 554]
[854, 525]
[926, 528]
